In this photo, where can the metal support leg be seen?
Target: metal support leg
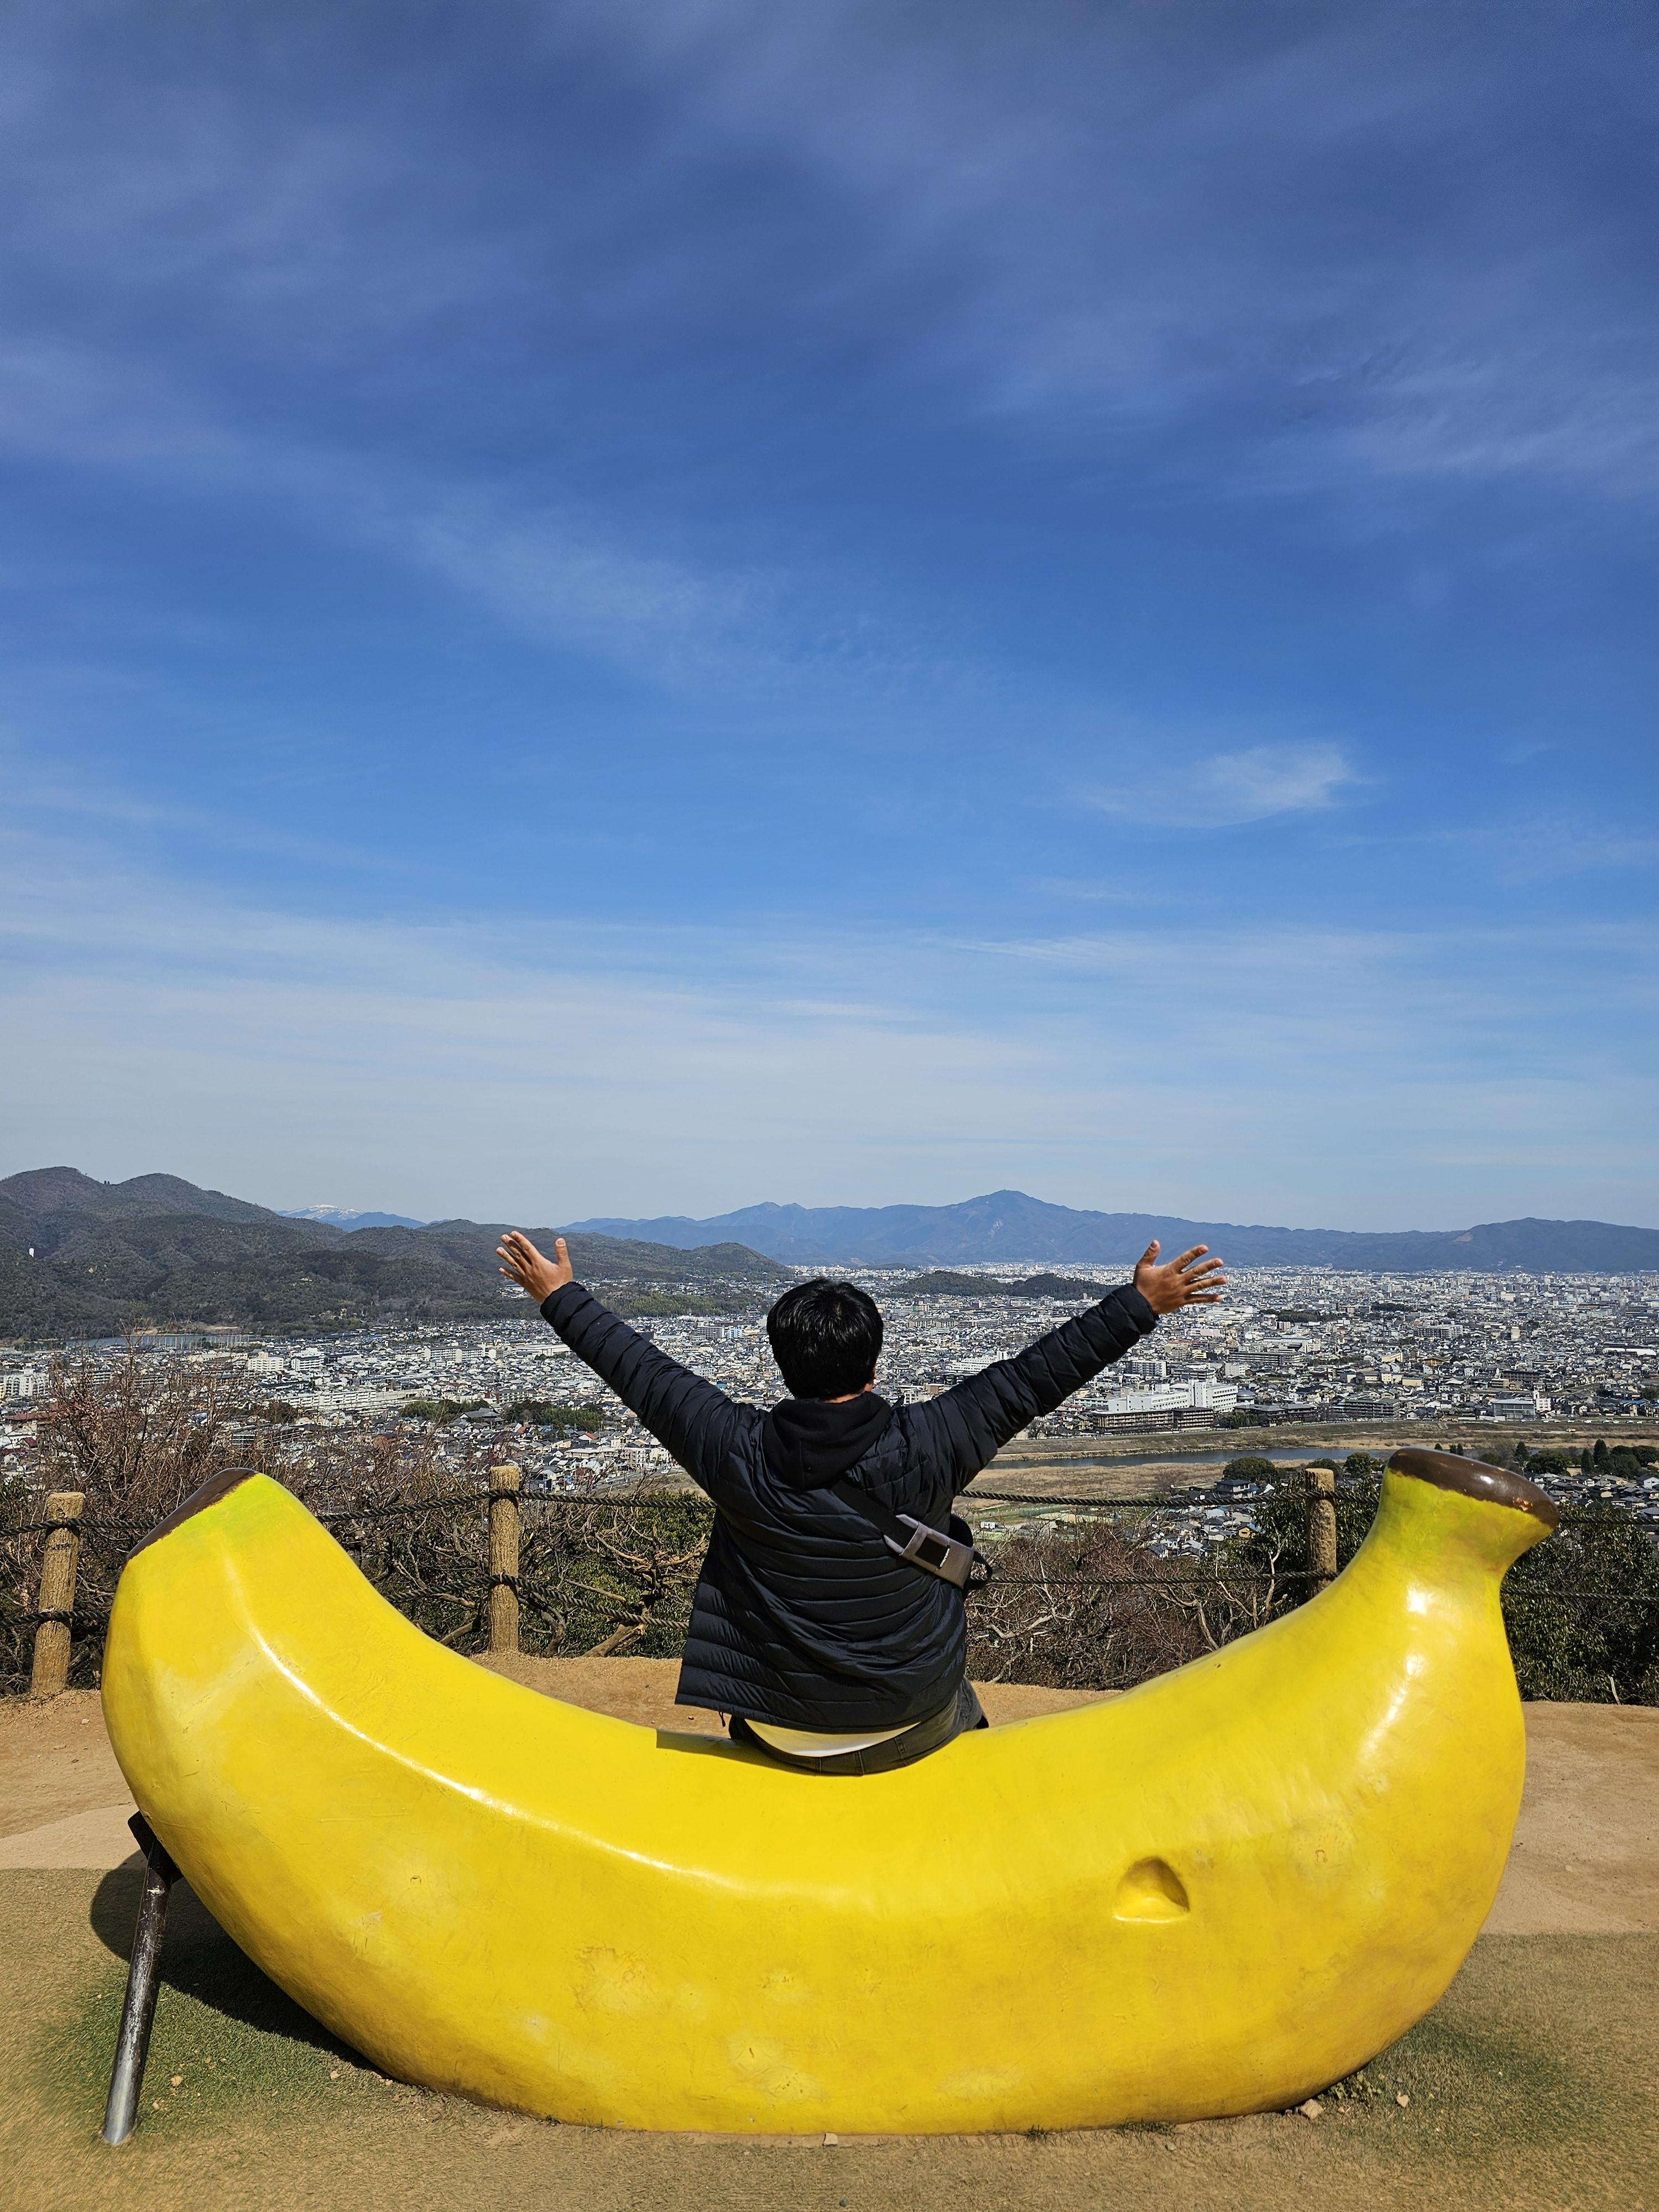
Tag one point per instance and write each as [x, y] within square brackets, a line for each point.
[132, 2044]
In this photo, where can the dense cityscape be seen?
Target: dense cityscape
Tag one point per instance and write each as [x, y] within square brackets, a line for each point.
[1429, 1357]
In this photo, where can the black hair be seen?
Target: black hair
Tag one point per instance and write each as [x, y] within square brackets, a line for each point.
[826, 1338]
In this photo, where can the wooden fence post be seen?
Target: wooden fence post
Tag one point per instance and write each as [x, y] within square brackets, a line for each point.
[1321, 1528]
[60, 1556]
[504, 1559]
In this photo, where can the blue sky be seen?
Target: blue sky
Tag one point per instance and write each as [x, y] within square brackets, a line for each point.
[630, 607]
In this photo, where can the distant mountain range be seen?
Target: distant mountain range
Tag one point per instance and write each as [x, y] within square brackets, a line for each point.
[80, 1258]
[1007, 1225]
[342, 1216]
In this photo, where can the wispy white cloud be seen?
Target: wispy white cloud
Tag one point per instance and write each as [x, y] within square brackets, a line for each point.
[560, 575]
[1562, 416]
[499, 1067]
[567, 580]
[1223, 790]
[1107, 226]
[1536, 848]
[1099, 893]
[1136, 212]
[1510, 849]
[1262, 236]
[632, 597]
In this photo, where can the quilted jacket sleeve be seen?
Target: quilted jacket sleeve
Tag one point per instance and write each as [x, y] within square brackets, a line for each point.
[696, 1423]
[969, 1424]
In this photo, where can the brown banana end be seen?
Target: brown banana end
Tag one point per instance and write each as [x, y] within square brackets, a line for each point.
[1499, 1485]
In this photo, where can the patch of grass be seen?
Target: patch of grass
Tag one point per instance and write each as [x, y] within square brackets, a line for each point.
[225, 2039]
[1499, 2069]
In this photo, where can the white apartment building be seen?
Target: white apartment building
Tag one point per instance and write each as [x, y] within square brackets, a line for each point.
[1175, 1397]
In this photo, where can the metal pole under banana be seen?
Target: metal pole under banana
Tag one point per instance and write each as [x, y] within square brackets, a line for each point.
[1216, 1894]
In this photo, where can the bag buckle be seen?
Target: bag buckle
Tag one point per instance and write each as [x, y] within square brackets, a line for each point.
[934, 1552]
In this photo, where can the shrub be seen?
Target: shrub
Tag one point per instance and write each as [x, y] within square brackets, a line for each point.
[1572, 1640]
[1249, 1467]
[136, 1438]
[1043, 1618]
[597, 1575]
[543, 1414]
[441, 1410]
[1582, 1610]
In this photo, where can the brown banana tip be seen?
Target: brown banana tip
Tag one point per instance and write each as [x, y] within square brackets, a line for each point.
[1474, 1478]
[199, 1501]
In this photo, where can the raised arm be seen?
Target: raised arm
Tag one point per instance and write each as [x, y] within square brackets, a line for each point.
[976, 1419]
[689, 1416]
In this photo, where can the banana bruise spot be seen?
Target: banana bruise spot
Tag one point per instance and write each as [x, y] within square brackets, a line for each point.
[1474, 1478]
[197, 1501]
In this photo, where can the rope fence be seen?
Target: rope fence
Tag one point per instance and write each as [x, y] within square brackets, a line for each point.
[1101, 1599]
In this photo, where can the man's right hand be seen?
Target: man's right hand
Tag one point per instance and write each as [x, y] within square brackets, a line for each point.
[532, 1271]
[1180, 1282]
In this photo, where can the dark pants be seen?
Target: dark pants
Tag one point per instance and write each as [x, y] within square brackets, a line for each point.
[963, 1712]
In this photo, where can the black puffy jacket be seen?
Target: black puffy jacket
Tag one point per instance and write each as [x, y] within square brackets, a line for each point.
[802, 1615]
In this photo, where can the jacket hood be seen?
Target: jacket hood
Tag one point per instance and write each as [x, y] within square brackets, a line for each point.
[810, 1442]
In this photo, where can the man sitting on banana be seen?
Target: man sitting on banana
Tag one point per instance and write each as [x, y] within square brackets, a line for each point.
[827, 1623]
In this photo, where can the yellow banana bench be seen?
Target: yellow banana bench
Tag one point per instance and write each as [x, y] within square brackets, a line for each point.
[1216, 1894]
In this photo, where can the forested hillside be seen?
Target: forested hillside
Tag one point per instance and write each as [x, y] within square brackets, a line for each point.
[81, 1258]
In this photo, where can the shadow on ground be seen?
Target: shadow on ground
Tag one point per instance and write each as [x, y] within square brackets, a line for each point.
[201, 1963]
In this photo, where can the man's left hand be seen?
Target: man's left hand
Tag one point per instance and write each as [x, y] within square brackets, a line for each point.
[1180, 1282]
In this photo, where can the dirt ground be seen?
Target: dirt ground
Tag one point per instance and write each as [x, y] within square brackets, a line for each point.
[1534, 2084]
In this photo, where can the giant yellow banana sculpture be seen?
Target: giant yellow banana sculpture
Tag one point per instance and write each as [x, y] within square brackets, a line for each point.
[1213, 1895]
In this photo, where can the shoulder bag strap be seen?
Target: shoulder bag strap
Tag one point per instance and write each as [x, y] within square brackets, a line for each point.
[944, 1556]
